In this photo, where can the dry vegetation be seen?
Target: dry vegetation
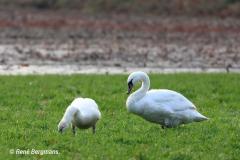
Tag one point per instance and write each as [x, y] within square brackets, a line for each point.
[187, 7]
[57, 35]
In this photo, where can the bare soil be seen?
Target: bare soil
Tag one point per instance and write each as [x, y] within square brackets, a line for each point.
[31, 37]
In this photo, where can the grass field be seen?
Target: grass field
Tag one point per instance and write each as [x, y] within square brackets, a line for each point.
[31, 107]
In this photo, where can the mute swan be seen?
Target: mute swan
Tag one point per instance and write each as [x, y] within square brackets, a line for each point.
[82, 113]
[165, 107]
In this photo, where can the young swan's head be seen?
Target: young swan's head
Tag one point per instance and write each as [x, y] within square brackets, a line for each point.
[62, 126]
[135, 77]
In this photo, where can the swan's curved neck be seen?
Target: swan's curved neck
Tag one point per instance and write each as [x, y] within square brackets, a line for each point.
[145, 86]
[69, 114]
[141, 92]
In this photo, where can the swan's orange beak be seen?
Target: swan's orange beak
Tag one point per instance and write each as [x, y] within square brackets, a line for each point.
[130, 86]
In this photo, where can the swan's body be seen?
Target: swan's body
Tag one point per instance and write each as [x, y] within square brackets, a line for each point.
[82, 113]
[165, 107]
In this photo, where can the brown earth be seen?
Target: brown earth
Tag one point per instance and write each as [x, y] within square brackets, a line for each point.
[31, 37]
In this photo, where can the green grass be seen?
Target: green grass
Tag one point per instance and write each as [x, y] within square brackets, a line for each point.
[31, 107]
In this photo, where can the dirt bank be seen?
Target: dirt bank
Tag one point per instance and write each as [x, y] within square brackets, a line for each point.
[59, 38]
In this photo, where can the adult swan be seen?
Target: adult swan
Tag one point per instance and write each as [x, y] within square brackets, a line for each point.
[165, 107]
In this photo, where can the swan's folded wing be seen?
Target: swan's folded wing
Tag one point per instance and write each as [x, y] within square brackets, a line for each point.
[170, 100]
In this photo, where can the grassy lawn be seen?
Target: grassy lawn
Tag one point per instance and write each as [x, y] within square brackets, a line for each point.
[31, 107]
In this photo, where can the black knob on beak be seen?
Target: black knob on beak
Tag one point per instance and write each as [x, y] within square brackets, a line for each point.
[130, 86]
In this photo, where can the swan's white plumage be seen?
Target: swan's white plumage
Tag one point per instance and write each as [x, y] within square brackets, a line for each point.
[82, 113]
[162, 106]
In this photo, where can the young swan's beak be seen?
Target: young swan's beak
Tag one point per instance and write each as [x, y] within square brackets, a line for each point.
[130, 86]
[61, 127]
[60, 130]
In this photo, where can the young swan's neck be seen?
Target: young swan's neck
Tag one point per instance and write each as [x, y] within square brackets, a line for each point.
[140, 93]
[69, 114]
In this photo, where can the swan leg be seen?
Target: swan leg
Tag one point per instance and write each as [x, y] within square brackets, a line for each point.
[94, 129]
[74, 129]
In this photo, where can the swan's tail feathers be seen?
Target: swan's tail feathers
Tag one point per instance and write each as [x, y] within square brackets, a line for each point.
[199, 117]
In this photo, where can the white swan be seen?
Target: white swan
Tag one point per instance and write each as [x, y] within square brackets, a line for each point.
[82, 113]
[165, 107]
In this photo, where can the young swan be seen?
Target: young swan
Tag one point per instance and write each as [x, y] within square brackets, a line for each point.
[82, 113]
[165, 107]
